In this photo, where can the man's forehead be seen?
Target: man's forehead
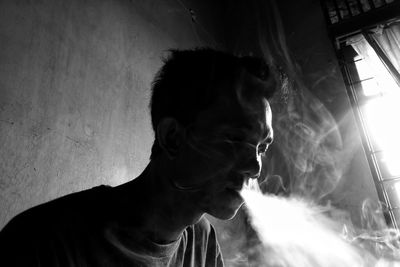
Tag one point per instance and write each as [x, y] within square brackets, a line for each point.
[244, 85]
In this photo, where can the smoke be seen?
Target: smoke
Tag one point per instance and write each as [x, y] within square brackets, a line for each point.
[309, 149]
[308, 138]
[297, 232]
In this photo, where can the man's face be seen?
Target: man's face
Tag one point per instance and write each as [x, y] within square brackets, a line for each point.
[223, 149]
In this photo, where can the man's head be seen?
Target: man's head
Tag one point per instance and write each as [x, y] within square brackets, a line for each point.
[212, 120]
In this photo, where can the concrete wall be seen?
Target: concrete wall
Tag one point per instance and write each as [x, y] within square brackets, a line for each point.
[74, 88]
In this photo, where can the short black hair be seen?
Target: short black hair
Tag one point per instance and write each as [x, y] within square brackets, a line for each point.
[189, 80]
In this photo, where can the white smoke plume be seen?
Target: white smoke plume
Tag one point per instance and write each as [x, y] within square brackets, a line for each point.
[297, 232]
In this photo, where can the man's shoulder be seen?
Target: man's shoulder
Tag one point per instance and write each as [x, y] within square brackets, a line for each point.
[60, 226]
[60, 209]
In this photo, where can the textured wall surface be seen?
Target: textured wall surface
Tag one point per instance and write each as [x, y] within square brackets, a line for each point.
[74, 89]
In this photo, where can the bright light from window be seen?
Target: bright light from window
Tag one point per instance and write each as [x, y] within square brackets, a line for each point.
[374, 75]
[392, 163]
[381, 115]
[370, 87]
[364, 71]
[397, 188]
[382, 110]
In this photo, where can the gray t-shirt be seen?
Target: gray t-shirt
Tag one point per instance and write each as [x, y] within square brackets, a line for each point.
[76, 230]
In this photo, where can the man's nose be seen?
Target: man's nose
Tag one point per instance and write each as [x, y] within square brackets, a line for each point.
[251, 167]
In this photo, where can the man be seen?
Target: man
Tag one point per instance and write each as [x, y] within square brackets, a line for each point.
[212, 125]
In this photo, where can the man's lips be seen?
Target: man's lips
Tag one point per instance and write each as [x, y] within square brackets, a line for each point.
[235, 187]
[234, 196]
[236, 182]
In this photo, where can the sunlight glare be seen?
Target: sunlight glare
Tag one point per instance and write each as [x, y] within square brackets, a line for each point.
[380, 115]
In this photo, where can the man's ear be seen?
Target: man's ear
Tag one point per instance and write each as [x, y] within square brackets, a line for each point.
[169, 136]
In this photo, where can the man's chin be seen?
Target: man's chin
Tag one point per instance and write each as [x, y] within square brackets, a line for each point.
[225, 213]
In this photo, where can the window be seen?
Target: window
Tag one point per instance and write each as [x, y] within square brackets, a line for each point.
[375, 94]
[370, 61]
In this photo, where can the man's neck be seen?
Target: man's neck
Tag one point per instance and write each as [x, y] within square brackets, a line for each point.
[157, 209]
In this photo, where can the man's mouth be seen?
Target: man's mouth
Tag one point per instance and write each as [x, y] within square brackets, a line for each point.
[236, 185]
[235, 196]
[236, 188]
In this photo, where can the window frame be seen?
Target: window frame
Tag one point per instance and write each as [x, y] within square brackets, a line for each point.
[339, 31]
[353, 85]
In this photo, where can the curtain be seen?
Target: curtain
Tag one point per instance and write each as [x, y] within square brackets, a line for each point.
[380, 111]
[383, 82]
[381, 45]
[389, 41]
